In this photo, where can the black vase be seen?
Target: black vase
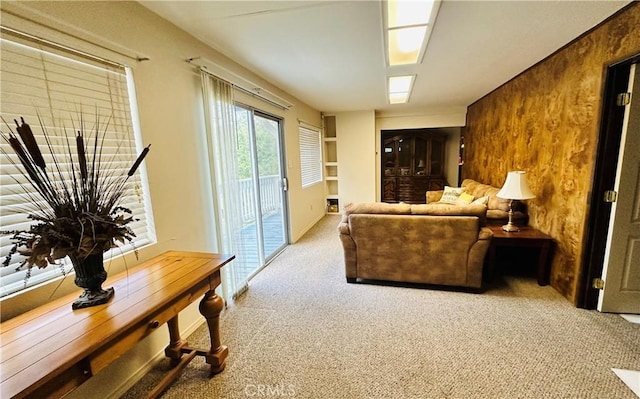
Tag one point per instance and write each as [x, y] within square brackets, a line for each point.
[90, 275]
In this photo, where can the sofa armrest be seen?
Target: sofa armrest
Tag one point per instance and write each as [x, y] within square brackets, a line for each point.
[434, 196]
[485, 233]
[349, 248]
[475, 262]
[343, 228]
[477, 253]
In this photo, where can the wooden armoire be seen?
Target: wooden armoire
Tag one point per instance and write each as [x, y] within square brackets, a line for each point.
[413, 162]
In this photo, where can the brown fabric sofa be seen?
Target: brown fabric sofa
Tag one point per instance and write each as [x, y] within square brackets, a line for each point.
[497, 208]
[428, 243]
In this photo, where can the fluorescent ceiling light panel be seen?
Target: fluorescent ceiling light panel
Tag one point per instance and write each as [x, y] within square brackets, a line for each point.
[407, 13]
[398, 98]
[405, 45]
[399, 84]
[400, 88]
[407, 22]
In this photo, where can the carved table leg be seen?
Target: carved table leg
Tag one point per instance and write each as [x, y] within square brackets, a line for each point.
[210, 307]
[174, 350]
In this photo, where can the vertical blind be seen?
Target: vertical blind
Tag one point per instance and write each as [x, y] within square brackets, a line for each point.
[61, 93]
[310, 156]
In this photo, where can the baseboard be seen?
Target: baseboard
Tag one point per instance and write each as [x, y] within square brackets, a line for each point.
[142, 371]
[306, 229]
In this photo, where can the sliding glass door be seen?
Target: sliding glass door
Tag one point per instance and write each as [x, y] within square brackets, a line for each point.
[261, 184]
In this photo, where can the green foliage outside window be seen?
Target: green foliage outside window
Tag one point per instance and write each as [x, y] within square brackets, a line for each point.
[266, 143]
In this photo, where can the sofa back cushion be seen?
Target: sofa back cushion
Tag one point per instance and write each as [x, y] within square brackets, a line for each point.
[434, 209]
[480, 190]
[375, 208]
[440, 209]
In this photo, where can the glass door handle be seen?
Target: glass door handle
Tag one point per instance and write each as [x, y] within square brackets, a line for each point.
[285, 184]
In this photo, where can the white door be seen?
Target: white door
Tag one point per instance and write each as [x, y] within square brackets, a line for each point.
[621, 272]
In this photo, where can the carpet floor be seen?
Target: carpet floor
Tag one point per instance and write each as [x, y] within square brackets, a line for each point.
[301, 331]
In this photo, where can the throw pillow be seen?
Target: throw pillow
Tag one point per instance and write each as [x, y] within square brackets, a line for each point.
[451, 194]
[481, 201]
[464, 199]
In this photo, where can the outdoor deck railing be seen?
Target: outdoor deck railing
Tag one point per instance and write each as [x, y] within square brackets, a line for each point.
[270, 197]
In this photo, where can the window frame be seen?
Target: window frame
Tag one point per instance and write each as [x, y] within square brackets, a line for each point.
[310, 146]
[74, 63]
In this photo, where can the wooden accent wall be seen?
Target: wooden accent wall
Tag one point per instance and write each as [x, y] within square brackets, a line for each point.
[546, 122]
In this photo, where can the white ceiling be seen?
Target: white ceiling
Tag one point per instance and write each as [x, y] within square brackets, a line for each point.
[330, 54]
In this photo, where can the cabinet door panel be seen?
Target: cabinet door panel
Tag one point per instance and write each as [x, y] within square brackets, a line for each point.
[389, 158]
[404, 157]
[436, 167]
[420, 157]
[436, 184]
[413, 190]
[389, 190]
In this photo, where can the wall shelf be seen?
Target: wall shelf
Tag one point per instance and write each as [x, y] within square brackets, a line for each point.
[330, 141]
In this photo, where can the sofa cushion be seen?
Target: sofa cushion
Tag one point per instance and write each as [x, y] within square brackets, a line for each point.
[465, 199]
[497, 208]
[481, 201]
[451, 194]
[440, 209]
[377, 207]
[480, 190]
[434, 196]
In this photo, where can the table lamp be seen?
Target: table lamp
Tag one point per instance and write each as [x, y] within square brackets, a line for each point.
[515, 188]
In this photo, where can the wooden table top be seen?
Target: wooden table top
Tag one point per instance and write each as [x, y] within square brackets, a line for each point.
[526, 232]
[42, 343]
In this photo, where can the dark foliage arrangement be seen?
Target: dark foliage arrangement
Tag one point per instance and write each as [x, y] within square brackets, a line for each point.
[73, 201]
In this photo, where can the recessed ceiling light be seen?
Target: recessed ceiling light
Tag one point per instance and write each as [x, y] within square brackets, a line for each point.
[405, 45]
[408, 25]
[400, 88]
[406, 13]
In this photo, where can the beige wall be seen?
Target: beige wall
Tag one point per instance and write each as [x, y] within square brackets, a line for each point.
[546, 121]
[358, 145]
[171, 118]
[449, 117]
[356, 156]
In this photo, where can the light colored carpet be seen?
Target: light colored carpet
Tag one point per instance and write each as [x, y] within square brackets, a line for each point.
[301, 331]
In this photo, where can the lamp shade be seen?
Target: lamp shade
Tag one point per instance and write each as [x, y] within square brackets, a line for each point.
[516, 187]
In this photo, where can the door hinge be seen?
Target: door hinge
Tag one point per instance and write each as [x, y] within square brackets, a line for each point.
[598, 283]
[610, 196]
[623, 99]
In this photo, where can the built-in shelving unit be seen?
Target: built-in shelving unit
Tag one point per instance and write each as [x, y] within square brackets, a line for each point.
[330, 141]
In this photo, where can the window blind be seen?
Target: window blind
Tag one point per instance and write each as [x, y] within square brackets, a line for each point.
[62, 92]
[310, 156]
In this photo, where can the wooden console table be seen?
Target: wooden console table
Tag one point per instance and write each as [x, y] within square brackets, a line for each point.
[50, 350]
[526, 237]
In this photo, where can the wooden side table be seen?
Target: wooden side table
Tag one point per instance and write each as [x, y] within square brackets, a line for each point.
[526, 237]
